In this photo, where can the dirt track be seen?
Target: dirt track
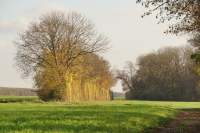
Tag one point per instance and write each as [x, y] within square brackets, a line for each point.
[187, 121]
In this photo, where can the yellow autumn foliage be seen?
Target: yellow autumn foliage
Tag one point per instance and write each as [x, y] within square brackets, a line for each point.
[89, 79]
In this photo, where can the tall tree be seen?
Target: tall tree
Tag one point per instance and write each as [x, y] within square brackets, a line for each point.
[53, 46]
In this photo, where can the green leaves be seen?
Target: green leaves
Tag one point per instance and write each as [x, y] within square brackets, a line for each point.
[196, 57]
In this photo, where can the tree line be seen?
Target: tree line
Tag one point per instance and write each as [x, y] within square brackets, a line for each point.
[8, 91]
[167, 74]
[62, 54]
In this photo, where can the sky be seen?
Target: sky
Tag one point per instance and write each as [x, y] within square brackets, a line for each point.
[120, 20]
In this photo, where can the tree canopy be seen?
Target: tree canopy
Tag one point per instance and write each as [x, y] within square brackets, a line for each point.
[56, 48]
[168, 74]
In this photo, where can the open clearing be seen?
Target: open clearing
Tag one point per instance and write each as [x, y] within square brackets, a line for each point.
[87, 117]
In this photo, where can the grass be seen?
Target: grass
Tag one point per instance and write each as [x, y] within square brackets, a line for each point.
[87, 117]
[13, 99]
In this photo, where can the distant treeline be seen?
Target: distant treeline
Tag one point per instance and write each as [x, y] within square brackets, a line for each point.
[118, 95]
[166, 74]
[6, 91]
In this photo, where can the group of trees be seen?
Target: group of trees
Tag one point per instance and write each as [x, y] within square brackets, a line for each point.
[91, 79]
[166, 69]
[167, 74]
[6, 91]
[184, 16]
[61, 51]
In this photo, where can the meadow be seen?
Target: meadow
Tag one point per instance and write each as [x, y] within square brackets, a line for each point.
[34, 116]
[15, 99]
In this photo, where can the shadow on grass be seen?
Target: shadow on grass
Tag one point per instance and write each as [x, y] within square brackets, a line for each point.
[186, 121]
[120, 119]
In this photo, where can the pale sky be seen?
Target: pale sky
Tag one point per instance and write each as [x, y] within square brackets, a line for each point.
[120, 20]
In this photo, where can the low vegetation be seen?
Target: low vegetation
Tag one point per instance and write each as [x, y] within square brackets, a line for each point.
[14, 99]
[87, 117]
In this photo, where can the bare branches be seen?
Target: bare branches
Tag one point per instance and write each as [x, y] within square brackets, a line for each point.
[185, 12]
[58, 40]
[168, 74]
[127, 75]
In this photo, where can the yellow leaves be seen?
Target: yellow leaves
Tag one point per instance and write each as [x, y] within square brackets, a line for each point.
[198, 70]
[90, 79]
[79, 88]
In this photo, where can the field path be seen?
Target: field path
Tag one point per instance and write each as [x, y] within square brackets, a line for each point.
[187, 121]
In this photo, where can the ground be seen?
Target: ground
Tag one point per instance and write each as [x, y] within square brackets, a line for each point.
[187, 121]
[34, 116]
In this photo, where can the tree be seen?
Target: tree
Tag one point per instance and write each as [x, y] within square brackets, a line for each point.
[167, 74]
[186, 13]
[51, 48]
[126, 76]
[90, 80]
[195, 42]
[184, 16]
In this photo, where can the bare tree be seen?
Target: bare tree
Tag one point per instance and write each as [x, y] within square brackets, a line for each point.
[63, 37]
[126, 76]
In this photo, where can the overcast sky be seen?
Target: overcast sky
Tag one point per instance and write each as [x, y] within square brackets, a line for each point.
[120, 20]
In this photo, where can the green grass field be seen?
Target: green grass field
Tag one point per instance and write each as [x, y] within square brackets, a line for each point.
[15, 99]
[32, 116]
